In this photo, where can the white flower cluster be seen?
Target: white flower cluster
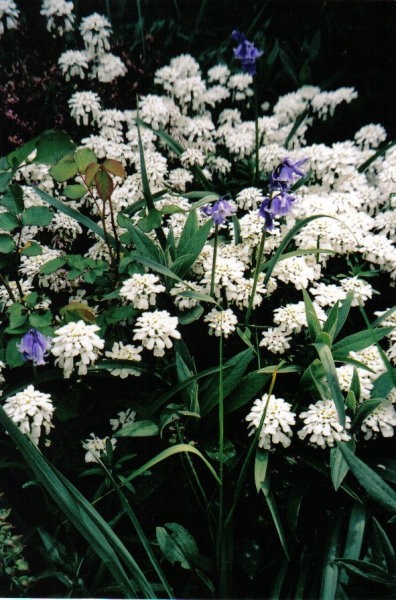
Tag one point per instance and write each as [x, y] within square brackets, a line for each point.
[221, 322]
[59, 14]
[277, 422]
[85, 107]
[155, 330]
[95, 447]
[9, 14]
[124, 352]
[74, 63]
[76, 345]
[322, 425]
[142, 290]
[32, 411]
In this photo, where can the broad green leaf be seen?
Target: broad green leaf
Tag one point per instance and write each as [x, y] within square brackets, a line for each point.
[31, 249]
[138, 429]
[19, 155]
[5, 180]
[74, 191]
[74, 311]
[90, 173]
[374, 485]
[52, 146]
[327, 361]
[84, 157]
[40, 321]
[7, 244]
[143, 244]
[151, 221]
[13, 357]
[191, 315]
[177, 545]
[8, 221]
[189, 230]
[104, 184]
[245, 391]
[190, 250]
[37, 215]
[383, 385]
[52, 265]
[338, 466]
[64, 169]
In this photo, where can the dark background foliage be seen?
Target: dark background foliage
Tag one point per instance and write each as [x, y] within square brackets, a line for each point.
[329, 43]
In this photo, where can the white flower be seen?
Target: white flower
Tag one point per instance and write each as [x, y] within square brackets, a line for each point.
[74, 63]
[219, 73]
[9, 14]
[345, 374]
[275, 340]
[292, 317]
[155, 330]
[249, 198]
[221, 322]
[95, 30]
[122, 351]
[59, 13]
[32, 411]
[322, 424]
[85, 107]
[277, 421]
[362, 290]
[108, 68]
[370, 136]
[192, 157]
[142, 290]
[123, 417]
[95, 447]
[76, 344]
[382, 420]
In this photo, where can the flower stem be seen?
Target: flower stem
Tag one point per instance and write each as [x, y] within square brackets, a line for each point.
[260, 253]
[215, 243]
[221, 555]
[256, 136]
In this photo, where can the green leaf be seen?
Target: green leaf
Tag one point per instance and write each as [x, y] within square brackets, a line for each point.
[76, 311]
[17, 197]
[13, 357]
[172, 413]
[186, 372]
[338, 466]
[366, 571]
[188, 253]
[76, 215]
[248, 387]
[157, 267]
[75, 191]
[84, 157]
[52, 146]
[7, 244]
[138, 429]
[64, 169]
[19, 155]
[191, 315]
[37, 215]
[236, 366]
[52, 265]
[327, 361]
[143, 244]
[151, 221]
[330, 572]
[31, 249]
[364, 410]
[90, 173]
[385, 548]
[359, 341]
[374, 485]
[354, 536]
[260, 468]
[8, 221]
[39, 321]
[178, 546]
[5, 179]
[383, 385]
[104, 184]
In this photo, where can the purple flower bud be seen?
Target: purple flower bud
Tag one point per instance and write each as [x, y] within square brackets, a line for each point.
[246, 52]
[282, 203]
[220, 211]
[34, 346]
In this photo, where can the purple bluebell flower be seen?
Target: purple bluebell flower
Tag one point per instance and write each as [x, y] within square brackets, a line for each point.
[282, 203]
[265, 211]
[220, 211]
[34, 346]
[246, 52]
[286, 173]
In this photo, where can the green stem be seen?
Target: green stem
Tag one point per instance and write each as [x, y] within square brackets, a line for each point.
[215, 244]
[7, 287]
[260, 253]
[256, 136]
[220, 525]
[249, 455]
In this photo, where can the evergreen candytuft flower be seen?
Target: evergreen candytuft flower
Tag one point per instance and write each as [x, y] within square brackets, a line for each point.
[246, 52]
[34, 346]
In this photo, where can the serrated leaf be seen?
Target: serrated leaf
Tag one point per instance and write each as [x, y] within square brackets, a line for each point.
[74, 191]
[7, 244]
[8, 221]
[84, 157]
[104, 184]
[52, 265]
[52, 146]
[40, 216]
[115, 167]
[64, 169]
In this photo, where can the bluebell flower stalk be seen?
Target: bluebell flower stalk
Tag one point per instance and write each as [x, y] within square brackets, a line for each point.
[221, 210]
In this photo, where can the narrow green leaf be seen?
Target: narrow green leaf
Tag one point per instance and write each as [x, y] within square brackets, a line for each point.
[338, 467]
[327, 361]
[314, 327]
[374, 485]
[330, 572]
[248, 387]
[138, 429]
[384, 544]
[359, 341]
[354, 536]
[260, 467]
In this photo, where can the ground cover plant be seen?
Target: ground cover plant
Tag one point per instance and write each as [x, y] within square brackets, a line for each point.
[197, 340]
